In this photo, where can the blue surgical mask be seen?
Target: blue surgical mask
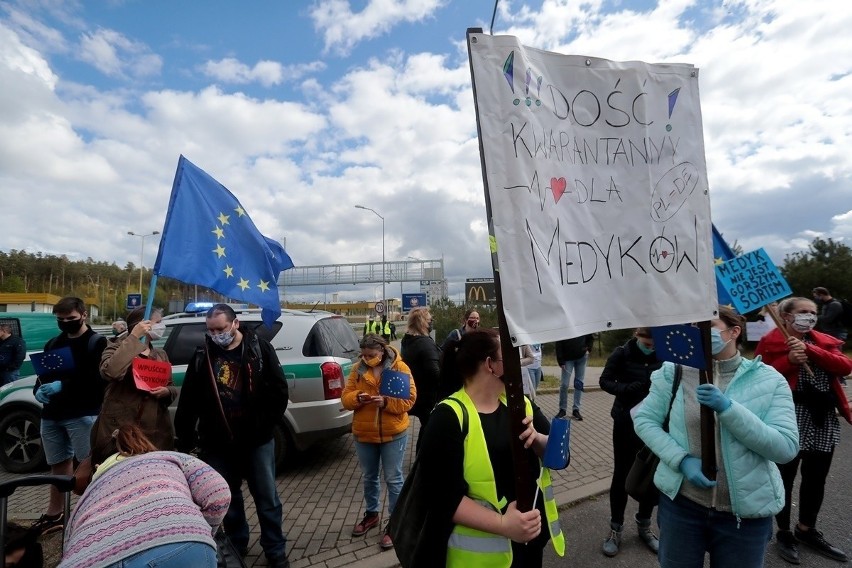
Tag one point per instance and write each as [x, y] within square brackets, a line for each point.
[644, 348]
[717, 343]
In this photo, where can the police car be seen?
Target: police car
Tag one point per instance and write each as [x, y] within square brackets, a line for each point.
[316, 350]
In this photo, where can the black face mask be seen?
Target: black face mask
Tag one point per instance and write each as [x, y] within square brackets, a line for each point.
[72, 326]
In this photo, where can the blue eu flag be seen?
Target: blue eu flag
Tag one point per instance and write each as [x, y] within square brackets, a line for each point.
[721, 253]
[679, 344]
[53, 361]
[395, 384]
[557, 453]
[208, 239]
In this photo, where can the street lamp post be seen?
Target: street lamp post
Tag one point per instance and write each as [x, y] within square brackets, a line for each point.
[384, 301]
[142, 253]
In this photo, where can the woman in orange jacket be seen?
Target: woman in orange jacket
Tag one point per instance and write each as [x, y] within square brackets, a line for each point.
[380, 425]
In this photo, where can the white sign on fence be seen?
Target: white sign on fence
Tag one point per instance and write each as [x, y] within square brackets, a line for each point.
[598, 188]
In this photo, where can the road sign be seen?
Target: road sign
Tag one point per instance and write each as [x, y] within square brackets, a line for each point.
[411, 301]
[380, 307]
[133, 301]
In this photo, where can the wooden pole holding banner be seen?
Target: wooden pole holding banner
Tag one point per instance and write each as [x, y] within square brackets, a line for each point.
[525, 488]
[708, 416]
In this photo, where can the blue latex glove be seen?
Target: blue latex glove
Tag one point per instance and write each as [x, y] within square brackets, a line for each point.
[44, 392]
[690, 467]
[710, 395]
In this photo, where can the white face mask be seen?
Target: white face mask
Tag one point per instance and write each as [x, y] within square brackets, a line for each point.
[803, 323]
[157, 330]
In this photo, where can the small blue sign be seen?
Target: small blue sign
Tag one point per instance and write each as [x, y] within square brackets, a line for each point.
[133, 301]
[752, 281]
[411, 301]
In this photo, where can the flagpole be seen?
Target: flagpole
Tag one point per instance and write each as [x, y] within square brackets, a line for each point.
[150, 303]
[708, 416]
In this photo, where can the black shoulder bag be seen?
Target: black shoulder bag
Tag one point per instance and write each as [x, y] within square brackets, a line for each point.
[640, 479]
[407, 525]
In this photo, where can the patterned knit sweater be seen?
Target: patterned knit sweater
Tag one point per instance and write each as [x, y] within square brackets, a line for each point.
[145, 501]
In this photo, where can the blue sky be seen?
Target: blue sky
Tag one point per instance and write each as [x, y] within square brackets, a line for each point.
[304, 112]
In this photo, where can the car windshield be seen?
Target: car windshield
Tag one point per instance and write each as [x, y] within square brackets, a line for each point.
[331, 337]
[187, 337]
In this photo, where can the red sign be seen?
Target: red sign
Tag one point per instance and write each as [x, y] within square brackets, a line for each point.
[150, 374]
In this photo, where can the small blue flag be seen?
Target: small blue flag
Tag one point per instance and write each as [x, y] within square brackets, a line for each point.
[721, 254]
[395, 384]
[557, 453]
[54, 361]
[209, 240]
[679, 344]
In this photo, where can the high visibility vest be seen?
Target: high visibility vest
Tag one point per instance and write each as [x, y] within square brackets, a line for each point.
[373, 327]
[387, 328]
[473, 548]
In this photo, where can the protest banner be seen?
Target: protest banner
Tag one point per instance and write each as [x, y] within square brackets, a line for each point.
[752, 281]
[149, 374]
[596, 190]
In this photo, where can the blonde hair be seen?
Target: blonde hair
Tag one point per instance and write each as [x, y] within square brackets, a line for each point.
[418, 321]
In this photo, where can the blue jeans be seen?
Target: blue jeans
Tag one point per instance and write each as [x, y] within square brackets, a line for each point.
[578, 366]
[390, 454]
[257, 466]
[688, 530]
[536, 375]
[7, 377]
[177, 554]
[64, 439]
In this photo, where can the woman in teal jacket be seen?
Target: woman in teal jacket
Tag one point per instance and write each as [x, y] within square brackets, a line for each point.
[731, 518]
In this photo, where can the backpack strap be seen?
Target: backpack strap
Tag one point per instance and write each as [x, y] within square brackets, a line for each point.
[464, 424]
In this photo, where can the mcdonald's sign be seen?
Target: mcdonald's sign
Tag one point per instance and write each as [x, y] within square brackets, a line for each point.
[480, 291]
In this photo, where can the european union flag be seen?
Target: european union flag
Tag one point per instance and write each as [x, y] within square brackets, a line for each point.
[557, 453]
[209, 240]
[395, 384]
[721, 253]
[53, 361]
[679, 344]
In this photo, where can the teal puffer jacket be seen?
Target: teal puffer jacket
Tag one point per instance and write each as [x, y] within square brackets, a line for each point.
[757, 431]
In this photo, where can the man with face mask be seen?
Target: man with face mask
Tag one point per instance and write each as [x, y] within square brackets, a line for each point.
[813, 363]
[71, 400]
[235, 393]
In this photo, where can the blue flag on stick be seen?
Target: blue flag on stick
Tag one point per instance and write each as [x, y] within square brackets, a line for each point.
[209, 240]
[721, 253]
[679, 344]
[557, 453]
[54, 361]
[395, 384]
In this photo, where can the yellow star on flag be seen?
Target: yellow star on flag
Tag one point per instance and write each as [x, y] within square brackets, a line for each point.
[264, 286]
[243, 284]
[228, 270]
[220, 234]
[223, 218]
[240, 211]
[219, 250]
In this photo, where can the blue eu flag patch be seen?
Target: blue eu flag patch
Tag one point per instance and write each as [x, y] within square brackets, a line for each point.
[679, 344]
[395, 384]
[54, 361]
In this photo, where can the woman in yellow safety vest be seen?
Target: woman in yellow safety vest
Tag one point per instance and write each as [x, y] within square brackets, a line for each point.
[466, 460]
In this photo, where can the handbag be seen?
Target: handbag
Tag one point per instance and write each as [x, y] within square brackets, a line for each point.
[640, 479]
[408, 522]
[227, 555]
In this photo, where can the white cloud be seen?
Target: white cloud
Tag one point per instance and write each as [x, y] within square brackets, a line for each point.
[342, 28]
[267, 73]
[115, 55]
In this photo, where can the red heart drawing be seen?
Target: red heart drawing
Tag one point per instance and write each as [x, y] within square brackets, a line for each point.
[558, 186]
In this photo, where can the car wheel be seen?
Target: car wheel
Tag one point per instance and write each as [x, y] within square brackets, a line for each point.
[21, 450]
[283, 446]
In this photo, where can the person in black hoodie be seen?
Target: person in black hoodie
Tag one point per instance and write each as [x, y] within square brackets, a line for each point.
[627, 375]
[421, 354]
[235, 392]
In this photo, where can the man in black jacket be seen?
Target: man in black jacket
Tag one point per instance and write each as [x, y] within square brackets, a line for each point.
[830, 318]
[235, 392]
[572, 354]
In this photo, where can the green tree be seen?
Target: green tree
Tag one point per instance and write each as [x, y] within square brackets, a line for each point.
[826, 263]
